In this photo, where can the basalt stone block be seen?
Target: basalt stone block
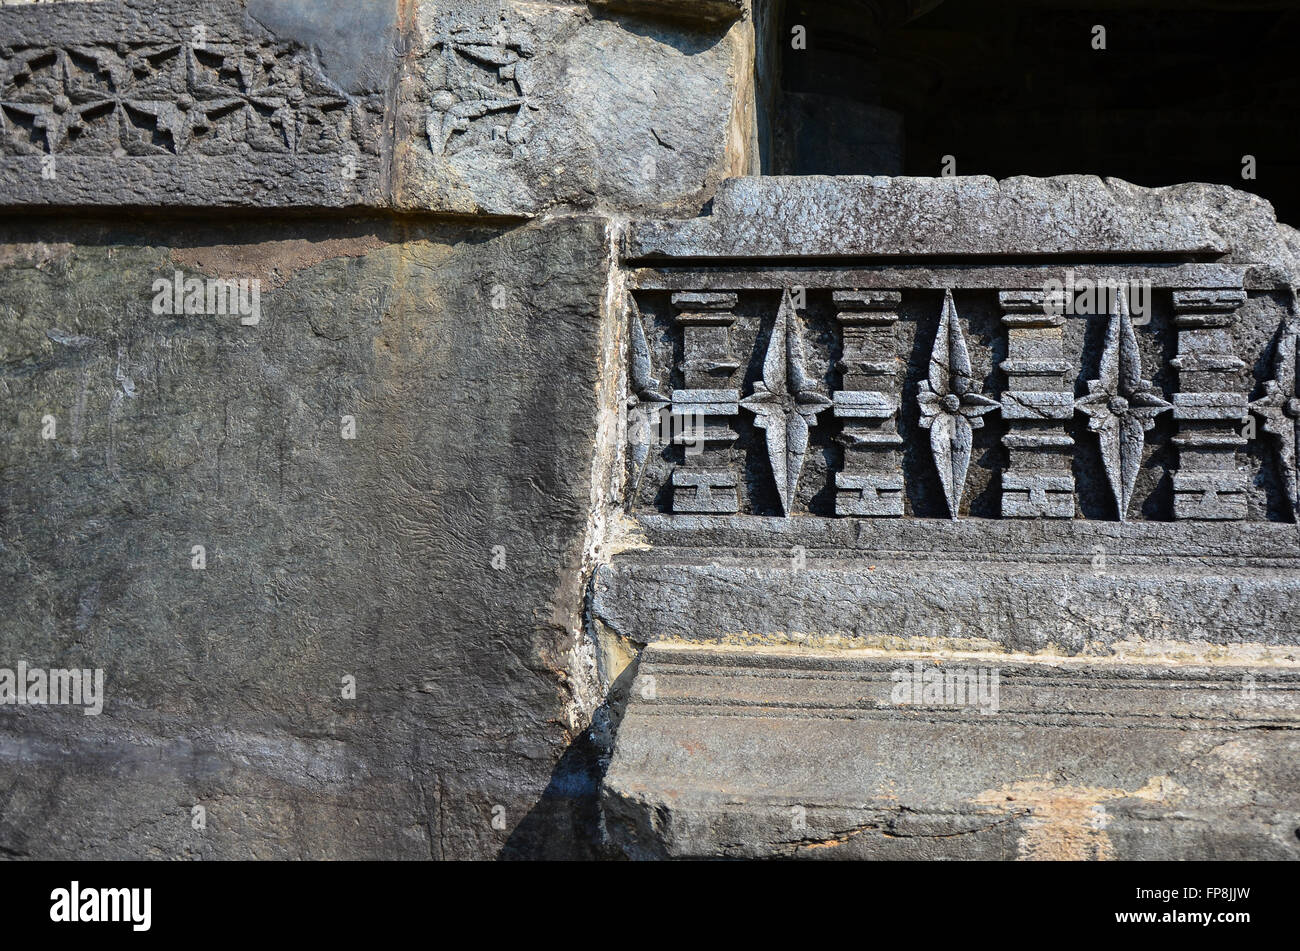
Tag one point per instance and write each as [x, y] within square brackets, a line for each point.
[1071, 634]
[182, 105]
[803, 754]
[496, 114]
[468, 107]
[431, 549]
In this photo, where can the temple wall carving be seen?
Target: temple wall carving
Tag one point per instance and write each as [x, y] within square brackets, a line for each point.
[873, 400]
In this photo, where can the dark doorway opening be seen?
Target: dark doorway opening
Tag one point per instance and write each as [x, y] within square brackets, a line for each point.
[1183, 90]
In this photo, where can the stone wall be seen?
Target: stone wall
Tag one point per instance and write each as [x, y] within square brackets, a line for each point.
[394, 471]
[326, 330]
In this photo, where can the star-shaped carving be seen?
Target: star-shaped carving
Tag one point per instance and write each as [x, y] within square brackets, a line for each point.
[161, 99]
[463, 98]
[1279, 408]
[950, 408]
[785, 403]
[1121, 406]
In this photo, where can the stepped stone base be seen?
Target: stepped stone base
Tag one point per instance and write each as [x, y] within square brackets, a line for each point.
[744, 753]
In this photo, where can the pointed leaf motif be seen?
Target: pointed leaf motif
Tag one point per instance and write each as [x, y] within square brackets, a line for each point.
[1121, 406]
[795, 365]
[646, 401]
[949, 407]
[940, 356]
[1112, 456]
[777, 359]
[1130, 360]
[1131, 439]
[1279, 408]
[785, 403]
[173, 99]
[641, 378]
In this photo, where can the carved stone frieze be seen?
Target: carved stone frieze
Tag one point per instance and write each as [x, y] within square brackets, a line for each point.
[1123, 399]
[1037, 402]
[175, 98]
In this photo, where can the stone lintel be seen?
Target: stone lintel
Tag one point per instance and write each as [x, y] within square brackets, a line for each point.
[925, 275]
[813, 216]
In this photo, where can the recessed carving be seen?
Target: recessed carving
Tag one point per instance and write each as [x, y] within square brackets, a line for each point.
[174, 99]
[1279, 408]
[785, 403]
[480, 92]
[950, 407]
[1121, 406]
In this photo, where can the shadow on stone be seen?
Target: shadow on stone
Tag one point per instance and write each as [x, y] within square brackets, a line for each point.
[565, 824]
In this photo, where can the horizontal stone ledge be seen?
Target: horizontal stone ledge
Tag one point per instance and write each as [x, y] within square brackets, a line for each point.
[746, 753]
[835, 217]
[973, 604]
[922, 276]
[243, 180]
[1069, 541]
[800, 682]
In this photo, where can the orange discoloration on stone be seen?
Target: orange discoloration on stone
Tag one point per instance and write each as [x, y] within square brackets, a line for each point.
[37, 254]
[274, 263]
[1068, 823]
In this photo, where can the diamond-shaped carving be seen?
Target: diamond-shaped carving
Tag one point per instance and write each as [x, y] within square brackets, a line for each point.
[785, 403]
[1121, 406]
[950, 408]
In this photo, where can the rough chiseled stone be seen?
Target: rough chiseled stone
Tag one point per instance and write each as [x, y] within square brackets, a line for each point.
[490, 229]
[815, 217]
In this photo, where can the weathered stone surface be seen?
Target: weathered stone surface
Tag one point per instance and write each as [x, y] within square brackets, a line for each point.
[180, 104]
[326, 557]
[464, 108]
[670, 102]
[811, 217]
[746, 754]
[410, 466]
